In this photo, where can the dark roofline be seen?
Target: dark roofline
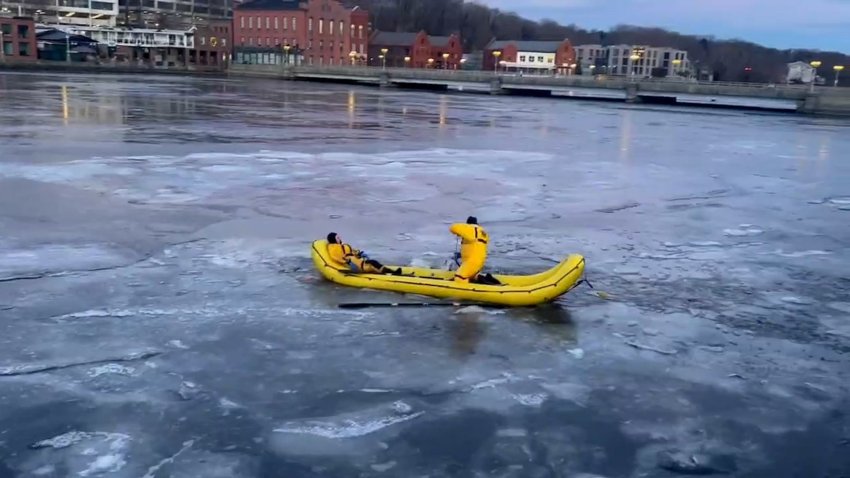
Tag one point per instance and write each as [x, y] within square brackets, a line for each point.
[271, 5]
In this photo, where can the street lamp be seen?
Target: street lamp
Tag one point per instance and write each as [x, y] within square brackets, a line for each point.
[406, 61]
[430, 62]
[383, 57]
[676, 63]
[445, 61]
[838, 69]
[635, 57]
[286, 48]
[815, 64]
[496, 55]
[352, 55]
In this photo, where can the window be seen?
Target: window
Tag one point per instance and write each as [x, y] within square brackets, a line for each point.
[268, 21]
[24, 49]
[203, 41]
[522, 58]
[309, 25]
[251, 41]
[277, 42]
[540, 59]
[321, 26]
[331, 46]
[531, 59]
[294, 25]
[242, 42]
[259, 23]
[285, 23]
[341, 28]
[250, 22]
[241, 22]
[276, 24]
[224, 42]
[331, 61]
[7, 48]
[361, 31]
[550, 60]
[330, 27]
[321, 45]
[268, 41]
[352, 31]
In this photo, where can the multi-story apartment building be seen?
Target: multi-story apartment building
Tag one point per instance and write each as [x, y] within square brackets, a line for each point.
[632, 60]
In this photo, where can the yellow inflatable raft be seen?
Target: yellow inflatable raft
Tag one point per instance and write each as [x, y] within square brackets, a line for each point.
[515, 291]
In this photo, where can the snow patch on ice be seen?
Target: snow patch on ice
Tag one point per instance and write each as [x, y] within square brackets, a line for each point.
[531, 400]
[351, 428]
[111, 368]
[743, 230]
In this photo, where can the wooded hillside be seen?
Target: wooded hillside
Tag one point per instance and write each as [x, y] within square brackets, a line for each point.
[478, 24]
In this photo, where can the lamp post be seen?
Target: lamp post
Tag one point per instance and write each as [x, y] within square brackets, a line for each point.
[496, 55]
[407, 62]
[838, 69]
[286, 48]
[815, 64]
[635, 57]
[676, 63]
[445, 61]
[383, 57]
[351, 56]
[430, 63]
[573, 68]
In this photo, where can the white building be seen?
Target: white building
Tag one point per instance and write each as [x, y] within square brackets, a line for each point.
[139, 37]
[800, 72]
[632, 60]
[101, 13]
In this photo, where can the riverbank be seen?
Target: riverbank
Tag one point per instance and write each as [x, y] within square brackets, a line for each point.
[823, 101]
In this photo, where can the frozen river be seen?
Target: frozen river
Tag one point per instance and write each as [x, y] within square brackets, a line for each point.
[160, 316]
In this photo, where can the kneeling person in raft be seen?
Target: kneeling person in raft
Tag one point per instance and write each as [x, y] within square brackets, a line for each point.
[358, 261]
[473, 252]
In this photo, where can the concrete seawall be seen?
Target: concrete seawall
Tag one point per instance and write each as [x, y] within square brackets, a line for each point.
[790, 98]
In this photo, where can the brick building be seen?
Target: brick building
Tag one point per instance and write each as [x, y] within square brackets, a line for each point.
[322, 32]
[17, 39]
[542, 57]
[415, 50]
[213, 45]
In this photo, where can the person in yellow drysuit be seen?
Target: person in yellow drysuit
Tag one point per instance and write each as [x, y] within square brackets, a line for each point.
[473, 252]
[358, 261]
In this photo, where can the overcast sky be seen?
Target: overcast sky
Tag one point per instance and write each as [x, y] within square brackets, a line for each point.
[816, 24]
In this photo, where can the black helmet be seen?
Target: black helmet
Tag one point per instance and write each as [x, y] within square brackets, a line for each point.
[472, 220]
[332, 238]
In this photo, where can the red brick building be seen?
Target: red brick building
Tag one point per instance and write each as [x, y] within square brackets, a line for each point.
[17, 39]
[540, 56]
[322, 32]
[414, 50]
[213, 46]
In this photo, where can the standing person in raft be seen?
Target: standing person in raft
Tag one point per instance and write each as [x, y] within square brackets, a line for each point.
[358, 261]
[473, 252]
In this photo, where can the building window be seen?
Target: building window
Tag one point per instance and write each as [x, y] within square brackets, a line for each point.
[250, 22]
[330, 27]
[341, 28]
[294, 25]
[352, 31]
[268, 23]
[251, 41]
[224, 42]
[551, 60]
[321, 26]
[259, 23]
[361, 31]
[531, 59]
[285, 23]
[310, 24]
[268, 41]
[522, 58]
[331, 46]
[331, 61]
[242, 42]
[540, 59]
[24, 49]
[276, 24]
[241, 22]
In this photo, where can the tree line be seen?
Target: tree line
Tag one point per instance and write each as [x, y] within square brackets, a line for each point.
[726, 60]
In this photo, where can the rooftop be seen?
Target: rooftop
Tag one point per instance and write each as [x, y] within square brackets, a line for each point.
[535, 46]
[270, 5]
